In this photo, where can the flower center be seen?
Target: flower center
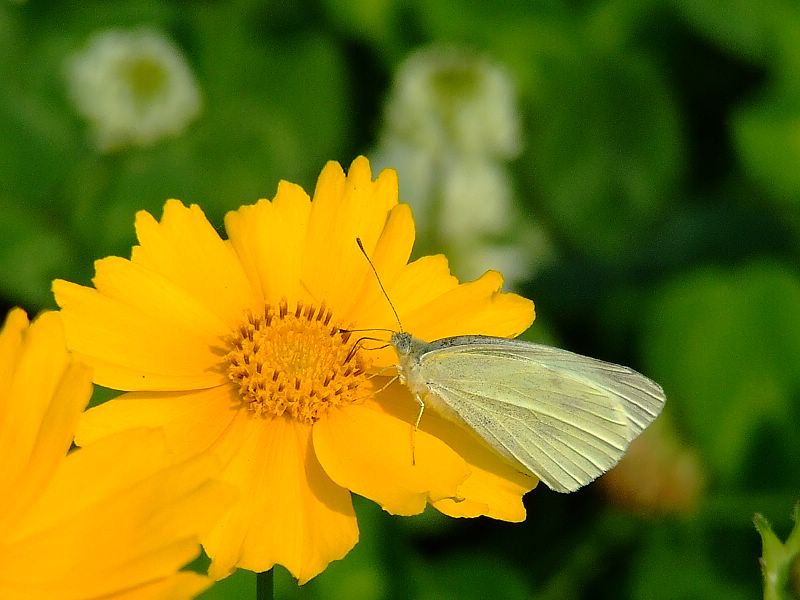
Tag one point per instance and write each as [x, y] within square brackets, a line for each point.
[297, 362]
[146, 77]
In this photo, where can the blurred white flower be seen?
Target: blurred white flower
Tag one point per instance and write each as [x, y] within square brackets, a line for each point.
[133, 87]
[476, 198]
[451, 123]
[449, 100]
[512, 259]
[417, 172]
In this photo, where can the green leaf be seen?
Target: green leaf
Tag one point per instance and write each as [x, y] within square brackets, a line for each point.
[767, 137]
[284, 104]
[467, 575]
[379, 22]
[605, 150]
[33, 250]
[675, 560]
[725, 345]
[742, 26]
[38, 142]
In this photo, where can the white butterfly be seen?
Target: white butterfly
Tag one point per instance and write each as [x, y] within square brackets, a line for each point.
[560, 416]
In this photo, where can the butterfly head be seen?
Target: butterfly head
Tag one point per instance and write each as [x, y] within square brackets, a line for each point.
[403, 344]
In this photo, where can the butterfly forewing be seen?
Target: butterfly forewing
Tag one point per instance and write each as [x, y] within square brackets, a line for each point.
[564, 417]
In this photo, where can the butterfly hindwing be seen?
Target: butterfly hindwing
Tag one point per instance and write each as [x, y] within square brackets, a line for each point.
[564, 417]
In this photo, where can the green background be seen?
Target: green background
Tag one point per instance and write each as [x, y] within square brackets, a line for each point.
[661, 155]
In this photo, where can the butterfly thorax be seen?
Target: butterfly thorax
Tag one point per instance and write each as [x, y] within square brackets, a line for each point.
[409, 350]
[414, 354]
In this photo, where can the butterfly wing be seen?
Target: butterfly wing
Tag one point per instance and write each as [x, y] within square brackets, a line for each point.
[564, 417]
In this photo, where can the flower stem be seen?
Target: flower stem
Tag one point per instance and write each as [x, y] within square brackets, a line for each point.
[264, 585]
[777, 557]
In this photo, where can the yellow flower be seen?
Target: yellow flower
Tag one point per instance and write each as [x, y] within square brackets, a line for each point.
[102, 522]
[234, 347]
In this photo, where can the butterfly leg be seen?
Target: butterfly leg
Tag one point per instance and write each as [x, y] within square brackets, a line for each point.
[421, 403]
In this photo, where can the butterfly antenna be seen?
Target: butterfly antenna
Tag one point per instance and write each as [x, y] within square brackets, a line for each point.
[383, 289]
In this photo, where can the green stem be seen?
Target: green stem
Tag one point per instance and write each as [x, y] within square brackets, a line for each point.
[777, 557]
[264, 585]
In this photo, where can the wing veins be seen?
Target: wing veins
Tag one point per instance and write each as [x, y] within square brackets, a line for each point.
[481, 399]
[519, 450]
[537, 439]
[540, 390]
[524, 352]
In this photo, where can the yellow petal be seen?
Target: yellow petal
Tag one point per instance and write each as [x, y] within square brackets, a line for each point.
[369, 451]
[155, 297]
[389, 256]
[98, 535]
[191, 421]
[420, 283]
[343, 209]
[186, 250]
[291, 513]
[58, 503]
[489, 485]
[11, 336]
[494, 487]
[40, 406]
[477, 307]
[129, 350]
[36, 370]
[269, 238]
[181, 586]
[31, 362]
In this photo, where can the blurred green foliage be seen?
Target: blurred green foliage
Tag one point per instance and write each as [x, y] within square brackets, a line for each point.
[662, 155]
